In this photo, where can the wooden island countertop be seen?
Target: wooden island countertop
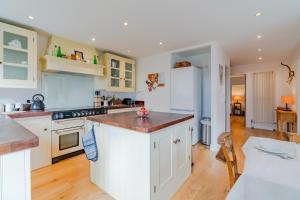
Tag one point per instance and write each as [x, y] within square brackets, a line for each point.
[129, 120]
[14, 137]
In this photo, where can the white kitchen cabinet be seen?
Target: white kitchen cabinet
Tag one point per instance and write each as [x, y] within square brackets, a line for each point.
[135, 165]
[41, 127]
[15, 175]
[171, 156]
[18, 57]
[120, 73]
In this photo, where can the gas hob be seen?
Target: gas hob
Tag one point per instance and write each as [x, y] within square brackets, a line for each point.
[61, 113]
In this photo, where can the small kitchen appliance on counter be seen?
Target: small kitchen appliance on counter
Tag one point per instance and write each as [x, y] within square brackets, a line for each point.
[38, 102]
[127, 101]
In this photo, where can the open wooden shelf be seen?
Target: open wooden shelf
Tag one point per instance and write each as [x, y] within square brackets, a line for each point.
[56, 64]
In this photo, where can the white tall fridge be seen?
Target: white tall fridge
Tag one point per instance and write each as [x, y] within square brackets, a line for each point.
[186, 95]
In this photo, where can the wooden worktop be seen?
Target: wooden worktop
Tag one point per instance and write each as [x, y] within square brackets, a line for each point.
[129, 120]
[25, 114]
[14, 137]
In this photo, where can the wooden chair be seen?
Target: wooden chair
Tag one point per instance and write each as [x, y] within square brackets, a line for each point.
[294, 137]
[229, 156]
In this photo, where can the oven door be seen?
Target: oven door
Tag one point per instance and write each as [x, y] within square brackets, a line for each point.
[66, 141]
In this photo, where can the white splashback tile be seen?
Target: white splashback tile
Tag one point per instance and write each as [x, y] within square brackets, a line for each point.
[67, 90]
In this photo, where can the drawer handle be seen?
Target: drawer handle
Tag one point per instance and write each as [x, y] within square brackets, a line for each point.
[45, 129]
[176, 141]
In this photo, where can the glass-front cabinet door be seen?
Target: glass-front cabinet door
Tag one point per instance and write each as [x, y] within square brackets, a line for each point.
[129, 76]
[115, 73]
[120, 73]
[18, 60]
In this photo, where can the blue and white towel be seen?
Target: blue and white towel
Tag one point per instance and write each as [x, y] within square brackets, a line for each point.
[89, 145]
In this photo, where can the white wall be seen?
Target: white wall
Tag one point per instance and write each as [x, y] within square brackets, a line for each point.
[282, 88]
[238, 90]
[296, 64]
[220, 106]
[159, 99]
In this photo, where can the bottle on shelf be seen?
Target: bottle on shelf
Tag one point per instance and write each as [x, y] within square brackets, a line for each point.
[59, 54]
[95, 60]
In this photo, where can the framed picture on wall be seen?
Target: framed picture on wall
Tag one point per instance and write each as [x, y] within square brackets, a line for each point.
[79, 55]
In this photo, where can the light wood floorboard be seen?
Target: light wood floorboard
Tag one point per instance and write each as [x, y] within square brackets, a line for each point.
[69, 179]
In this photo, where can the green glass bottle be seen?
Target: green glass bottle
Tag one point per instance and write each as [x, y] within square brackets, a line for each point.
[95, 60]
[59, 54]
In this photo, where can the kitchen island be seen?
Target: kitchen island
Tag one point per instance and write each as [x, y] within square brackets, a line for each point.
[141, 158]
[15, 172]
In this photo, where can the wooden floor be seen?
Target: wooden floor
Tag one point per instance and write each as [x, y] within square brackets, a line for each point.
[69, 179]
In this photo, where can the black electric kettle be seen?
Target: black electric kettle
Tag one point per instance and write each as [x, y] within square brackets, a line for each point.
[38, 102]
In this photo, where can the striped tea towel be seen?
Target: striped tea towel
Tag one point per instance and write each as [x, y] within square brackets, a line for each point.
[89, 145]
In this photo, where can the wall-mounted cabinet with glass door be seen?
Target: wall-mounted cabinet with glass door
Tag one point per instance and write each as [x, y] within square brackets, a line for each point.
[18, 57]
[120, 73]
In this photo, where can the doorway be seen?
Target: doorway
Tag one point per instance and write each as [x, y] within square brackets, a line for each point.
[238, 100]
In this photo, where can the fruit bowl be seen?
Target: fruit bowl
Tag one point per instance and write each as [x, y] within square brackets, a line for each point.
[142, 112]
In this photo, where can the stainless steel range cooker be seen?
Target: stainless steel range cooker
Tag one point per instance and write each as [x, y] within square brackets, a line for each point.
[68, 126]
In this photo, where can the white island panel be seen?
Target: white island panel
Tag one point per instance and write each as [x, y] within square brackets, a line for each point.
[135, 165]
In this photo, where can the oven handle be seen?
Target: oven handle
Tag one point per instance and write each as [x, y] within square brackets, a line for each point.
[66, 120]
[67, 129]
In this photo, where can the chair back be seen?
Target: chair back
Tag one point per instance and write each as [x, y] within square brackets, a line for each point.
[225, 140]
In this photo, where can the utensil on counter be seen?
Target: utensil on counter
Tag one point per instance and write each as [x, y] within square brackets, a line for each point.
[106, 100]
[38, 102]
[17, 106]
[127, 101]
[25, 107]
[9, 107]
[2, 107]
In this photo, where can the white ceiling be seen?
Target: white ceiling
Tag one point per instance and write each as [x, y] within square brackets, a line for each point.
[177, 23]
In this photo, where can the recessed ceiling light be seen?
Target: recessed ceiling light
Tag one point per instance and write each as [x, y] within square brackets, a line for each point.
[260, 50]
[125, 23]
[30, 17]
[258, 14]
[93, 39]
[258, 36]
[260, 58]
[161, 43]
